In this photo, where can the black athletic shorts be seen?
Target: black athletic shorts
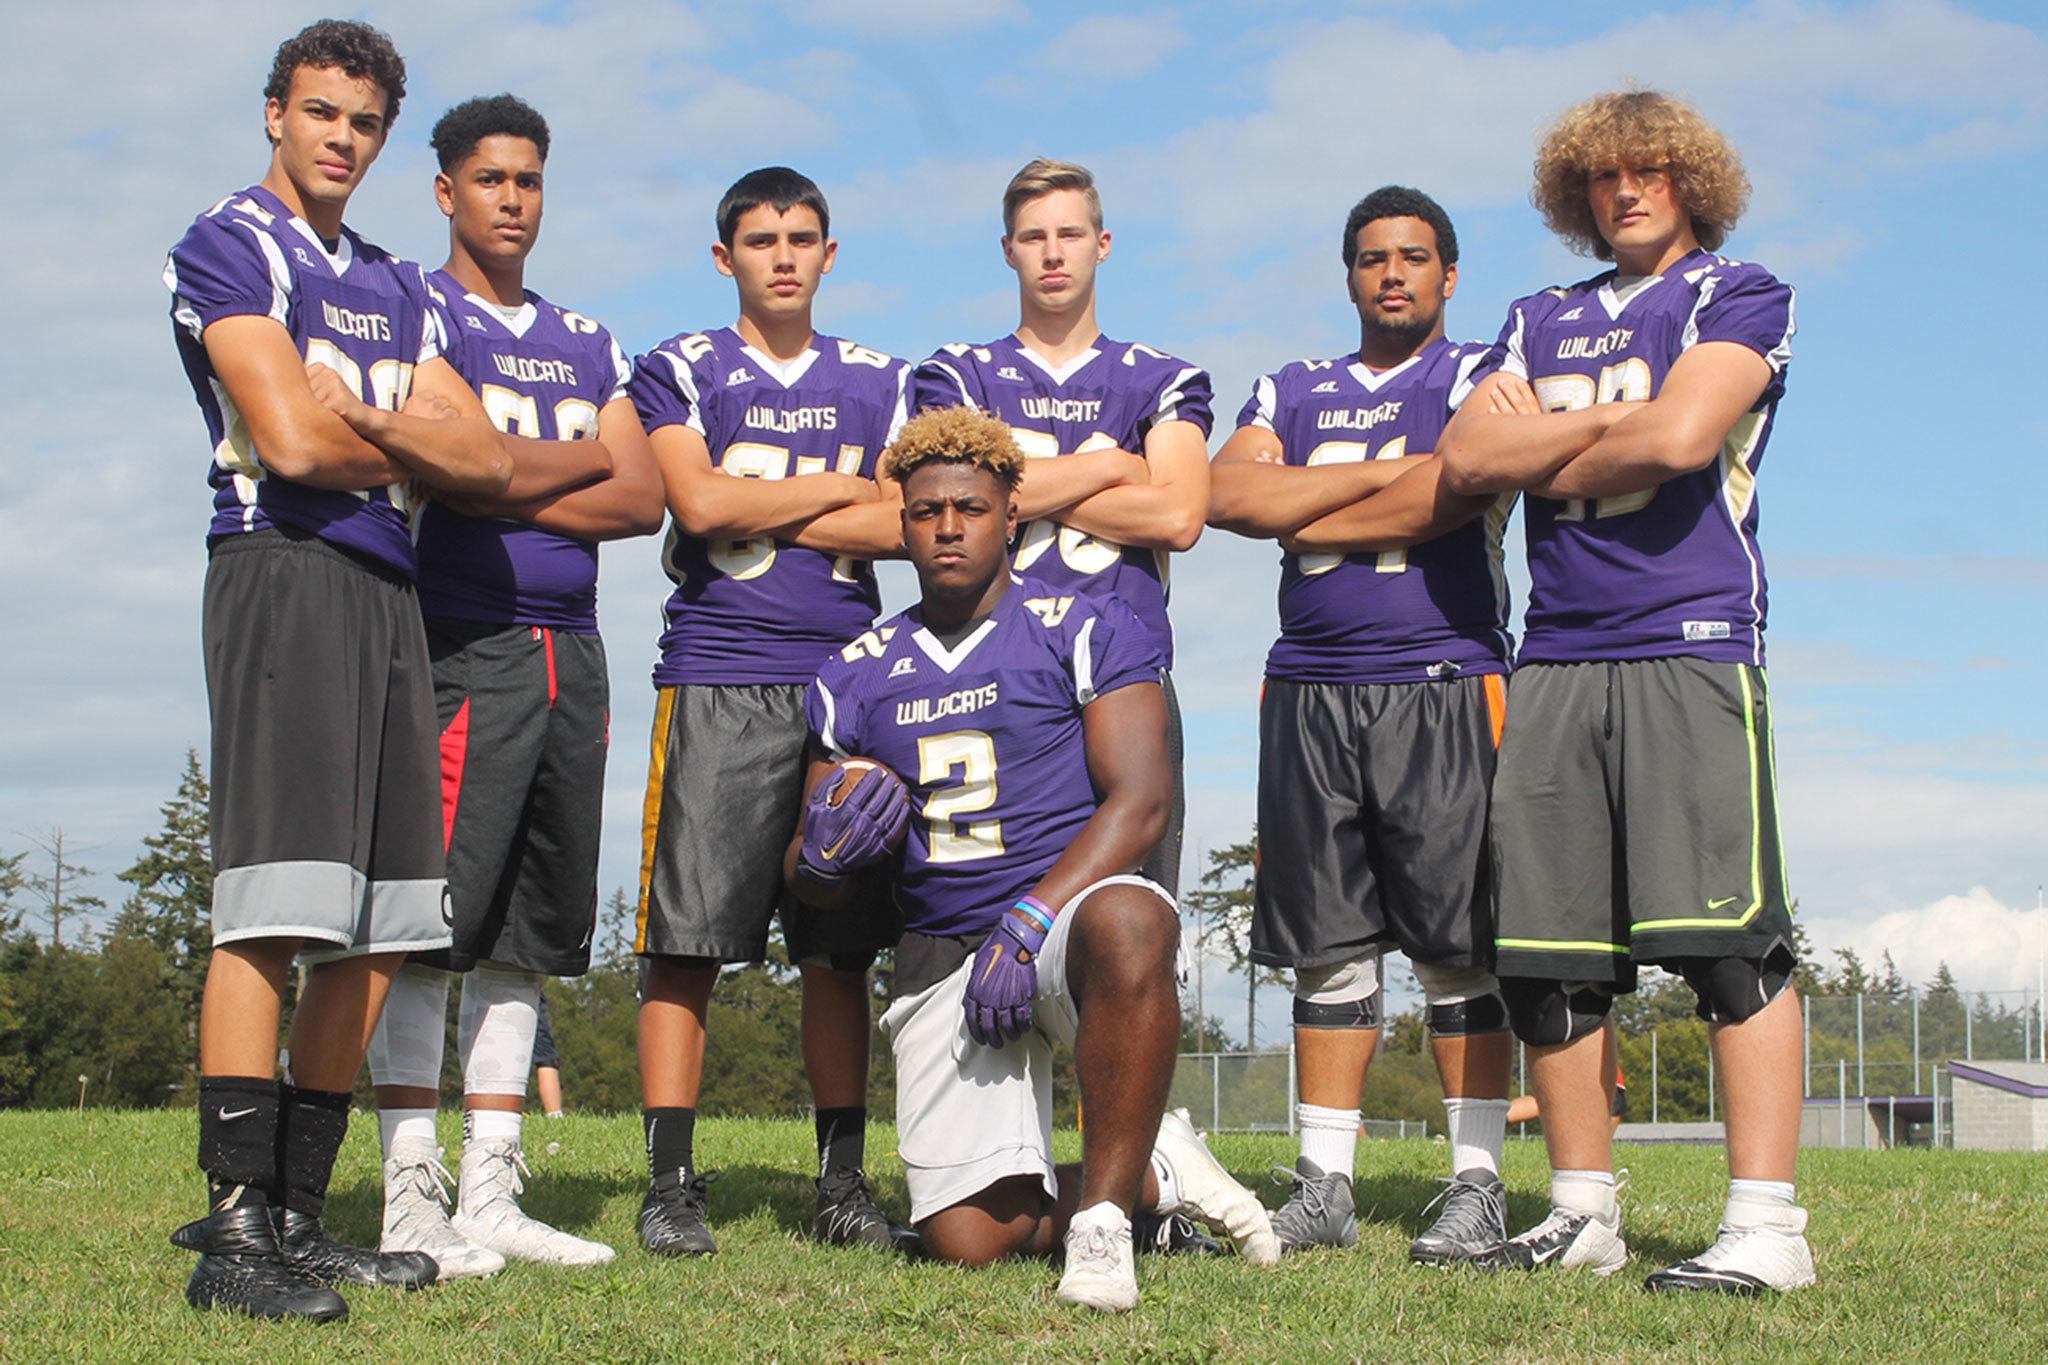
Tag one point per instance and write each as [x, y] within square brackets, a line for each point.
[1635, 820]
[1162, 864]
[1372, 820]
[525, 715]
[325, 818]
[725, 786]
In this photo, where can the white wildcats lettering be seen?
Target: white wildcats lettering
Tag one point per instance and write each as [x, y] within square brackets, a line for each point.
[1358, 419]
[763, 418]
[361, 326]
[927, 709]
[524, 370]
[1063, 409]
[1592, 348]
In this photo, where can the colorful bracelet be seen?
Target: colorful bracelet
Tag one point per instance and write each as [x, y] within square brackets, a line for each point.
[1034, 911]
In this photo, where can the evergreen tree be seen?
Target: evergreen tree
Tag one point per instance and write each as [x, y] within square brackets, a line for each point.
[172, 900]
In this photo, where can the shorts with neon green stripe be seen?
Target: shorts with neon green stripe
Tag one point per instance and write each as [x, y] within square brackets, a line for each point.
[1635, 820]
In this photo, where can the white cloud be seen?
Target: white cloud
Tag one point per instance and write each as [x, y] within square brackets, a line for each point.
[909, 18]
[1989, 943]
[1118, 46]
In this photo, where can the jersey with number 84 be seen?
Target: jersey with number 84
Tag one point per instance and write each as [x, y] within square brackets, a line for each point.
[986, 735]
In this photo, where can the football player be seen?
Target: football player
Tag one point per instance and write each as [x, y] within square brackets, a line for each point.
[767, 435]
[1383, 702]
[326, 400]
[1029, 724]
[1129, 424]
[1635, 812]
[509, 589]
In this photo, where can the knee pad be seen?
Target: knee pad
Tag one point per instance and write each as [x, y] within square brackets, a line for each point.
[1462, 1000]
[500, 1015]
[1338, 995]
[1544, 1013]
[406, 1047]
[1732, 989]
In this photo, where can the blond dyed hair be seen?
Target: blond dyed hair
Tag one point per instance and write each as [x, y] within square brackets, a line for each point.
[1632, 128]
[1043, 176]
[955, 436]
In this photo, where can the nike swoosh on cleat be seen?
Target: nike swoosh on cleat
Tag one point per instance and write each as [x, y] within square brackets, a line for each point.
[1716, 905]
[227, 1116]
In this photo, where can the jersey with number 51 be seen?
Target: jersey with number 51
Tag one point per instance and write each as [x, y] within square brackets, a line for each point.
[544, 373]
[354, 309]
[987, 736]
[1110, 395]
[764, 610]
[1675, 569]
[1434, 610]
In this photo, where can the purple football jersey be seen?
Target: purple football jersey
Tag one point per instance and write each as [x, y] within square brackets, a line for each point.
[355, 309]
[1673, 570]
[763, 610]
[1434, 610]
[1111, 394]
[987, 737]
[545, 373]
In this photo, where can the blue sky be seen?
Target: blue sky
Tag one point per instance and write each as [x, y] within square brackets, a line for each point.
[1898, 158]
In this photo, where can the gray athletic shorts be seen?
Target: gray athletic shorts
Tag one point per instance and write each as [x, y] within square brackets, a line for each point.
[326, 813]
[1162, 864]
[725, 787]
[1372, 820]
[1635, 820]
[968, 1115]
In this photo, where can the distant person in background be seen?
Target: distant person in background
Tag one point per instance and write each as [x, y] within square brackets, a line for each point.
[547, 1064]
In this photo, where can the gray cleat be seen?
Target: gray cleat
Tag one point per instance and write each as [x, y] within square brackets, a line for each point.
[1320, 1211]
[1472, 1225]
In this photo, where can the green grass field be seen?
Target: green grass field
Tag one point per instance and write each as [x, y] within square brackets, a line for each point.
[1924, 1255]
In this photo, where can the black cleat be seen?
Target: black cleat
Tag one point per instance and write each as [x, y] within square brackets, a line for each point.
[241, 1270]
[672, 1216]
[847, 1215]
[1169, 1234]
[312, 1253]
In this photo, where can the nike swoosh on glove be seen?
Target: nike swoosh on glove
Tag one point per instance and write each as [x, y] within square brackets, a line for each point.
[861, 830]
[1004, 977]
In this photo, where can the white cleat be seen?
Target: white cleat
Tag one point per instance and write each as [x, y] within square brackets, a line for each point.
[487, 1210]
[1565, 1240]
[1767, 1252]
[1100, 1273]
[1210, 1196]
[416, 1213]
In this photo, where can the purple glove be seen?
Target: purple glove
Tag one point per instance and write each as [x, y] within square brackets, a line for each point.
[1005, 974]
[862, 829]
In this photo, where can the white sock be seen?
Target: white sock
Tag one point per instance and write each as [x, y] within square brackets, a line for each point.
[484, 1124]
[1478, 1129]
[1745, 1197]
[1584, 1192]
[1169, 1186]
[1329, 1137]
[394, 1124]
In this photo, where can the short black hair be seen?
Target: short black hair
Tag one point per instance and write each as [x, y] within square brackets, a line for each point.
[1398, 201]
[362, 53]
[777, 186]
[458, 131]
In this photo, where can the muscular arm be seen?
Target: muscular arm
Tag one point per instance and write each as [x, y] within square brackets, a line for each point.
[1486, 450]
[1710, 389]
[718, 506]
[1125, 735]
[1414, 508]
[1167, 513]
[1052, 485]
[866, 530]
[292, 432]
[457, 453]
[628, 503]
[1252, 493]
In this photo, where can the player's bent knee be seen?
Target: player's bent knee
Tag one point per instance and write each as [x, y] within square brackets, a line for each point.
[1127, 926]
[1545, 1013]
[1339, 995]
[1462, 1000]
[1733, 989]
[997, 1223]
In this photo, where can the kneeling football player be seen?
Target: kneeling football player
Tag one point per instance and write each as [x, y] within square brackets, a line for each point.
[1030, 728]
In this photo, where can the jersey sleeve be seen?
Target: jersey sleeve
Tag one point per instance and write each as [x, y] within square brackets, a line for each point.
[1259, 410]
[1749, 306]
[1511, 350]
[948, 379]
[665, 390]
[224, 266]
[901, 409]
[434, 329]
[621, 370]
[1110, 649]
[1473, 362]
[832, 713]
[1186, 396]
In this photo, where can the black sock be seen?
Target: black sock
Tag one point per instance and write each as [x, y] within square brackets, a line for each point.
[310, 1127]
[842, 1138]
[670, 1135]
[238, 1139]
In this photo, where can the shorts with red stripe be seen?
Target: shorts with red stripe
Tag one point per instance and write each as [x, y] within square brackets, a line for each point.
[525, 716]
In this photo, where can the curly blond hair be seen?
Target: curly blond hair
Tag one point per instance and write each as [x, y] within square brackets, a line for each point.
[955, 436]
[1637, 128]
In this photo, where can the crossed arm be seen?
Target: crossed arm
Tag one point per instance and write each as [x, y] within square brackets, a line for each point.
[1163, 508]
[1360, 506]
[1501, 438]
[613, 494]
